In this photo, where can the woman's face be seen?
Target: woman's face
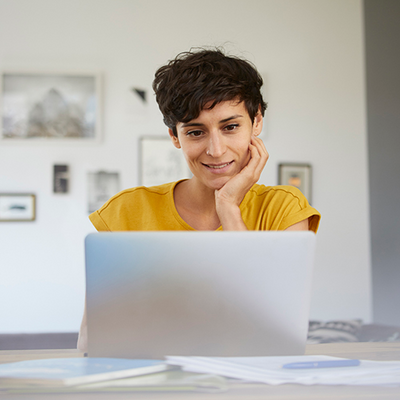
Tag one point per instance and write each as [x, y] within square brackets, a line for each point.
[216, 143]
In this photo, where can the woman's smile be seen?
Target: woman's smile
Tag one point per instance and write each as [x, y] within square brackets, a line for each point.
[219, 168]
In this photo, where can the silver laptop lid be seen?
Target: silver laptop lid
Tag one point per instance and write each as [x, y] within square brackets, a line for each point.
[151, 294]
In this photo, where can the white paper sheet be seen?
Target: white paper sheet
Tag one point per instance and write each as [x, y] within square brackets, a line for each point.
[270, 370]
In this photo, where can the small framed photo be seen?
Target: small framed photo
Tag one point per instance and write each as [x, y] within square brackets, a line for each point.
[17, 207]
[298, 175]
[60, 178]
[40, 106]
[160, 162]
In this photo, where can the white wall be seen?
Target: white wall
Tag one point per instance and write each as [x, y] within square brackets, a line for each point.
[311, 54]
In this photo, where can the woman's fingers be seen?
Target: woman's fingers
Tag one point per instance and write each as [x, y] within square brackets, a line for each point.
[259, 156]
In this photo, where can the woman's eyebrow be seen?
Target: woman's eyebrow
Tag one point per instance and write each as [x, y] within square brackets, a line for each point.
[230, 118]
[187, 124]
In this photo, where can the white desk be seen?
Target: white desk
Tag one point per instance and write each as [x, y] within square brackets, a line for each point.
[369, 351]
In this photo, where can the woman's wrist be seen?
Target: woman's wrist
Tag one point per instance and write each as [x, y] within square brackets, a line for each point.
[230, 217]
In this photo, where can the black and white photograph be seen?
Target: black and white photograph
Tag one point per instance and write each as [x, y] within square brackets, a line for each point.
[298, 175]
[17, 207]
[50, 106]
[101, 186]
[60, 178]
[160, 161]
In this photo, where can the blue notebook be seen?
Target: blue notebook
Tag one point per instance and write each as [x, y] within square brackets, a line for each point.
[75, 371]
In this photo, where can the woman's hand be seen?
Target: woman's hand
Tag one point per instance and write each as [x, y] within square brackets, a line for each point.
[229, 197]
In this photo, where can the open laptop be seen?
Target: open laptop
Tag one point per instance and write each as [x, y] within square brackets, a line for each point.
[152, 294]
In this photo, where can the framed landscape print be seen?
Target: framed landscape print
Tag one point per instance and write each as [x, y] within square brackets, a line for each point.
[50, 106]
[17, 207]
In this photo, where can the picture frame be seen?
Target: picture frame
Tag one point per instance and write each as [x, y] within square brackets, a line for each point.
[160, 162]
[298, 175]
[50, 106]
[102, 185]
[61, 178]
[17, 207]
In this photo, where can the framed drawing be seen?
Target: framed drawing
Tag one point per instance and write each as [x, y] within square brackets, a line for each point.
[160, 162]
[298, 175]
[17, 207]
[49, 106]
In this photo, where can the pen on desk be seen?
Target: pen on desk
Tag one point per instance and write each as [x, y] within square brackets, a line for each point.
[322, 364]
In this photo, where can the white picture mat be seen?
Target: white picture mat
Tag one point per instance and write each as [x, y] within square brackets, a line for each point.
[161, 162]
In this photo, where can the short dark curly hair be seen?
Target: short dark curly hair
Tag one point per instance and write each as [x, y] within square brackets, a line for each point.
[185, 85]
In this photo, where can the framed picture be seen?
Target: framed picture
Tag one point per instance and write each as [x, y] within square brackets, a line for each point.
[298, 175]
[60, 178]
[17, 207]
[160, 162]
[50, 106]
[101, 186]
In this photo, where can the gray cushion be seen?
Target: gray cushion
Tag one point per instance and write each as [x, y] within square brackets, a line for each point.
[31, 341]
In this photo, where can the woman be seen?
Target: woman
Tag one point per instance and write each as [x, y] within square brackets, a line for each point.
[213, 108]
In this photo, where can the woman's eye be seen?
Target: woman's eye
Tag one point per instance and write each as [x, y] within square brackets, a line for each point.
[231, 127]
[194, 133]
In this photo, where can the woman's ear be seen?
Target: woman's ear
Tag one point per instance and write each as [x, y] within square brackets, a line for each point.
[174, 139]
[258, 123]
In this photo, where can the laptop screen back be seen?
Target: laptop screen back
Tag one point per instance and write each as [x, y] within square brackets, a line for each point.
[151, 294]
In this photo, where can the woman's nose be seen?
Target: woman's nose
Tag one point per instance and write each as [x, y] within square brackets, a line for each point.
[216, 146]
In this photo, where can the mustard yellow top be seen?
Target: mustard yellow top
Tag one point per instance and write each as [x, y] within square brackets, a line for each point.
[153, 209]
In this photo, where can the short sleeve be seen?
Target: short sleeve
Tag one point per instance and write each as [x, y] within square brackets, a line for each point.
[98, 222]
[298, 209]
[276, 208]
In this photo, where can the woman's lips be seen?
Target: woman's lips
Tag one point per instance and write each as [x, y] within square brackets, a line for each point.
[218, 167]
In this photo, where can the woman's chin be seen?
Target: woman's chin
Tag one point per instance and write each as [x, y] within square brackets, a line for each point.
[218, 183]
[212, 184]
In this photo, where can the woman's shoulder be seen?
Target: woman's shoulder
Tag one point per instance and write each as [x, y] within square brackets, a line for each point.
[134, 197]
[122, 211]
[278, 190]
[158, 189]
[143, 191]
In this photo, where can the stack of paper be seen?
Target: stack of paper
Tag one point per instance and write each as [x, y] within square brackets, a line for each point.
[72, 375]
[175, 380]
[270, 370]
[75, 371]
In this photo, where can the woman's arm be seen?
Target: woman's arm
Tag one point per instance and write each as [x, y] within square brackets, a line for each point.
[299, 226]
[229, 197]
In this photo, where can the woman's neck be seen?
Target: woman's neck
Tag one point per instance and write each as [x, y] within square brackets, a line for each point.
[195, 204]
